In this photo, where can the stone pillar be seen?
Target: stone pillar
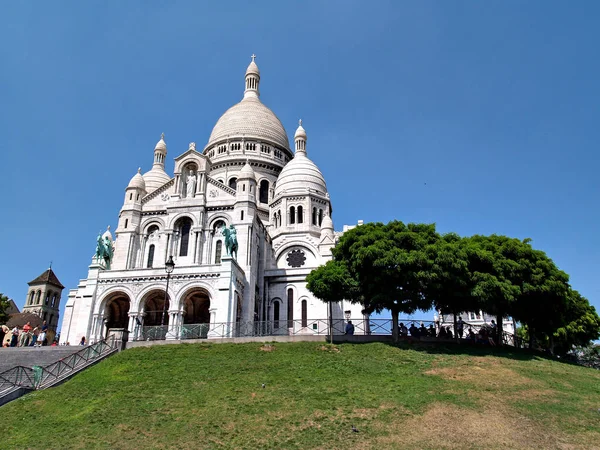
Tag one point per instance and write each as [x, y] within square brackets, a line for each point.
[144, 239]
[168, 233]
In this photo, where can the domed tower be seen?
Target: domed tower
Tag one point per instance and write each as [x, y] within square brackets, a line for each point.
[245, 200]
[129, 220]
[157, 177]
[249, 131]
[300, 202]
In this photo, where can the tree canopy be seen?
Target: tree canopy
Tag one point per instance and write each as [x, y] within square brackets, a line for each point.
[403, 268]
[4, 305]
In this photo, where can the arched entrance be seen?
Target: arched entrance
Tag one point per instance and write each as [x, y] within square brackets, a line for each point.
[116, 316]
[155, 315]
[196, 314]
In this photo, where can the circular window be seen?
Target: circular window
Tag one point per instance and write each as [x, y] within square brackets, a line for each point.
[296, 258]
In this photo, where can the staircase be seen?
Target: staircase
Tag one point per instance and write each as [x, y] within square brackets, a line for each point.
[32, 356]
[64, 362]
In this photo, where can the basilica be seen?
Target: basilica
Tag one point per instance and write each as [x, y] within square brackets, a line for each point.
[169, 273]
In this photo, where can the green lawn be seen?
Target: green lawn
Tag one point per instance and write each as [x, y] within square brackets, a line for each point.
[211, 396]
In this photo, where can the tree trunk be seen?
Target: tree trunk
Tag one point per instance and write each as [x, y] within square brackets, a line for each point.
[499, 330]
[395, 333]
[455, 326]
[530, 331]
[552, 344]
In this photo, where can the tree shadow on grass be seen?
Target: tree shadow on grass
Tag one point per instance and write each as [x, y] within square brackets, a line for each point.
[447, 347]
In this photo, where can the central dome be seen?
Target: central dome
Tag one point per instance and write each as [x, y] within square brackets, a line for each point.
[252, 120]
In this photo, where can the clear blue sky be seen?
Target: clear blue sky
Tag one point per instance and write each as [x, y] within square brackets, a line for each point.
[479, 116]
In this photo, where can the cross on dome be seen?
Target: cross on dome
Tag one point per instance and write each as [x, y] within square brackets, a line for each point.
[253, 57]
[162, 136]
[300, 122]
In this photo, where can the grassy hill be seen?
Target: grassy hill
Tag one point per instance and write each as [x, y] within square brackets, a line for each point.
[211, 396]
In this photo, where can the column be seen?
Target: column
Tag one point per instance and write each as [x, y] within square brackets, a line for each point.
[144, 239]
[168, 233]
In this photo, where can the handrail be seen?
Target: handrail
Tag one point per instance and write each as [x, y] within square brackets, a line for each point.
[42, 377]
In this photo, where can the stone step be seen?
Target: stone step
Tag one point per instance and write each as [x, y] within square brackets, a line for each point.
[33, 356]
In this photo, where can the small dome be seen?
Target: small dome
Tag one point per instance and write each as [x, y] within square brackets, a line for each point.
[299, 175]
[300, 132]
[155, 178]
[252, 69]
[247, 172]
[107, 234]
[161, 146]
[137, 182]
[327, 223]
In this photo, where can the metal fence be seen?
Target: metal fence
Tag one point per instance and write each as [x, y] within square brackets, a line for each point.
[318, 327]
[42, 377]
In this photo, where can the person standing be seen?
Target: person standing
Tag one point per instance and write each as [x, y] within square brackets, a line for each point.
[42, 336]
[350, 328]
[14, 340]
[460, 326]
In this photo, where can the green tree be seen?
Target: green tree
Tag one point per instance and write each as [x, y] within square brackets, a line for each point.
[391, 265]
[333, 283]
[543, 300]
[582, 325]
[451, 283]
[4, 305]
[495, 267]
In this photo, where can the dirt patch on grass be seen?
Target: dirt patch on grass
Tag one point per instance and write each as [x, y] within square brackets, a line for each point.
[486, 373]
[452, 427]
[329, 348]
[267, 348]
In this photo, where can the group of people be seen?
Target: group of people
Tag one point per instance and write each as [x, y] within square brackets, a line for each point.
[27, 336]
[484, 335]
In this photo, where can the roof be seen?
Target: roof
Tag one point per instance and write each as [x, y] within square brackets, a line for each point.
[249, 119]
[48, 277]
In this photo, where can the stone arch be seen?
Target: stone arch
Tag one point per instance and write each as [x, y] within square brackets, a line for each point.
[150, 222]
[194, 304]
[153, 308]
[302, 244]
[178, 216]
[221, 216]
[114, 309]
[110, 293]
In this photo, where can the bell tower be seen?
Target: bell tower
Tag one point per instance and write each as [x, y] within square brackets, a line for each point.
[43, 297]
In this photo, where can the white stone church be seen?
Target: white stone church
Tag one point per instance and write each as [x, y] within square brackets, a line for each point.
[246, 176]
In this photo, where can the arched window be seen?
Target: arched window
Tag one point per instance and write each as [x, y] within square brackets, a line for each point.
[53, 300]
[38, 299]
[304, 313]
[131, 196]
[150, 256]
[290, 307]
[241, 215]
[292, 215]
[314, 216]
[48, 294]
[31, 295]
[218, 249]
[126, 222]
[185, 225]
[300, 219]
[276, 314]
[50, 320]
[233, 183]
[263, 195]
[320, 216]
[279, 218]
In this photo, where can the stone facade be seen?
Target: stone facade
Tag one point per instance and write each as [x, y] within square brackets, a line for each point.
[246, 176]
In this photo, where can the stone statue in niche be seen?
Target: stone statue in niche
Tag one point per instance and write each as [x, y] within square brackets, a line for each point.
[190, 185]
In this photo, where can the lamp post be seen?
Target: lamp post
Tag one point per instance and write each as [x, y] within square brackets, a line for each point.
[169, 267]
